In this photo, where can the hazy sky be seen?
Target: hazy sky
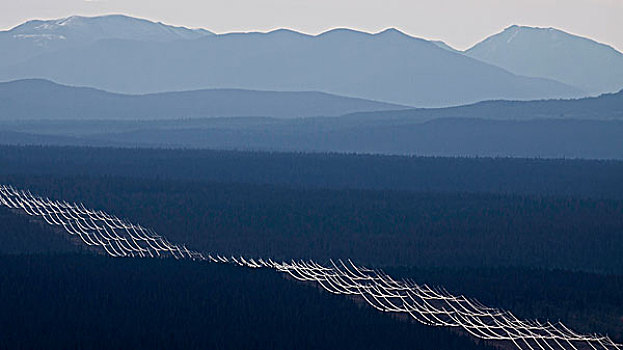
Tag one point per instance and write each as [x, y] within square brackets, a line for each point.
[460, 23]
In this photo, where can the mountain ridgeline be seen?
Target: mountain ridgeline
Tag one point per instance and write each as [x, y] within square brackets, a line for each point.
[388, 66]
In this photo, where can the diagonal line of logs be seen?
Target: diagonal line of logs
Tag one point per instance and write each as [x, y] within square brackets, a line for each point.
[425, 304]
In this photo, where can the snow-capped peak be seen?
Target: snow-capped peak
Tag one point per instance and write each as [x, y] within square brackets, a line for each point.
[104, 27]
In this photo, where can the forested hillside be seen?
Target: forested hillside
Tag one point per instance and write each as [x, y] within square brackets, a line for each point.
[78, 301]
[375, 227]
[447, 137]
[586, 302]
[583, 178]
[540, 237]
[20, 234]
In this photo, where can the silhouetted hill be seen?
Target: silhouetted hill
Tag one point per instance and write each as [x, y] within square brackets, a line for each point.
[551, 53]
[387, 66]
[42, 99]
[603, 107]
[589, 128]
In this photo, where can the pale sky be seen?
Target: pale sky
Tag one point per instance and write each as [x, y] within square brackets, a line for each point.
[460, 23]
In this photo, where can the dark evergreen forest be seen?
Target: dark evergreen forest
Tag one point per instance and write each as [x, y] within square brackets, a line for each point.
[92, 302]
[562, 177]
[539, 237]
[384, 228]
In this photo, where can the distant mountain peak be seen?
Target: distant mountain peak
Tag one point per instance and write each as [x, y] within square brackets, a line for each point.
[550, 33]
[536, 33]
[555, 54]
[516, 27]
[114, 26]
[391, 31]
[349, 31]
[342, 31]
[74, 20]
[286, 31]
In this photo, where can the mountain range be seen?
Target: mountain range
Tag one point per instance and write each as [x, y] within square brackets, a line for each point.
[127, 55]
[144, 84]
